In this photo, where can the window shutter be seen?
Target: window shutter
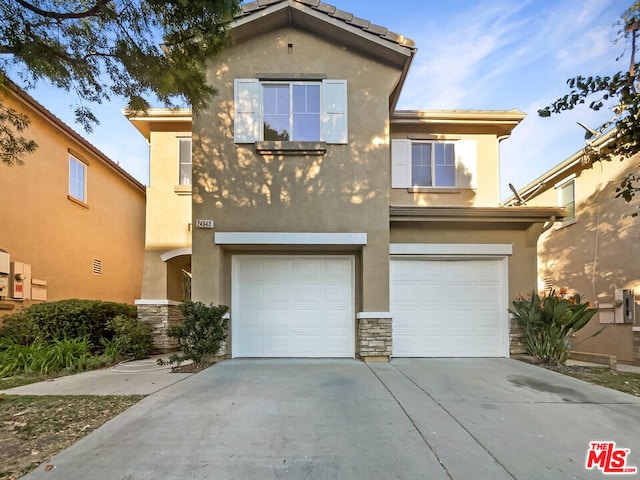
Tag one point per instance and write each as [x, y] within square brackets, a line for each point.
[247, 110]
[400, 163]
[466, 164]
[334, 112]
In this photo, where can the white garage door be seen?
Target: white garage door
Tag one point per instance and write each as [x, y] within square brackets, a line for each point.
[292, 306]
[445, 308]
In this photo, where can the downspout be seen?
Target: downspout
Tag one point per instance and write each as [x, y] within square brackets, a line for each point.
[549, 224]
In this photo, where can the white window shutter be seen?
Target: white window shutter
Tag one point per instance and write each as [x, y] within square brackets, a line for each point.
[247, 127]
[334, 112]
[466, 164]
[400, 163]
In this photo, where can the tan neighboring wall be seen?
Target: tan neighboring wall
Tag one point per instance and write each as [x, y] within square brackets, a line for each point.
[597, 253]
[60, 237]
[168, 227]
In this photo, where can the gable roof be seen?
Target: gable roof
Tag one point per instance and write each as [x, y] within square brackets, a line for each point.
[344, 28]
[333, 12]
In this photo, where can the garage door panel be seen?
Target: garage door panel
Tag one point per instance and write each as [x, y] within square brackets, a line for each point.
[448, 308]
[300, 307]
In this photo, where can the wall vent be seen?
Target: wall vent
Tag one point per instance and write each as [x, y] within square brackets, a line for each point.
[548, 283]
[97, 266]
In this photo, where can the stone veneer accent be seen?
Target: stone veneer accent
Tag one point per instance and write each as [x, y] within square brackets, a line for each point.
[516, 340]
[636, 345]
[375, 342]
[160, 317]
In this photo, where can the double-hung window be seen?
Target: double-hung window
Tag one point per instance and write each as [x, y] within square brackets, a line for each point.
[567, 199]
[290, 111]
[77, 179]
[426, 163]
[185, 161]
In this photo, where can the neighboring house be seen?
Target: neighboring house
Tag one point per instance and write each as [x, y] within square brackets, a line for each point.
[332, 224]
[72, 220]
[594, 250]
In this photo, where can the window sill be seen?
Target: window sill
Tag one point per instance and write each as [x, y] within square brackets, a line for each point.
[291, 148]
[77, 202]
[182, 189]
[435, 190]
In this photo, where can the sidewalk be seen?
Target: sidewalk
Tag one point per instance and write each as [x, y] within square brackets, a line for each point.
[138, 377]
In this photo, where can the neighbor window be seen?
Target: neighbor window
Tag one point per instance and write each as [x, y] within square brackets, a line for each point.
[422, 163]
[77, 179]
[290, 111]
[567, 199]
[185, 161]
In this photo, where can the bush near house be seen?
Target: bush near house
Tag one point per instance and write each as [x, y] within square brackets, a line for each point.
[71, 335]
[201, 332]
[549, 320]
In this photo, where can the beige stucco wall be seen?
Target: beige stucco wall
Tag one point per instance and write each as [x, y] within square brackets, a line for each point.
[60, 238]
[344, 190]
[598, 253]
[486, 193]
[168, 210]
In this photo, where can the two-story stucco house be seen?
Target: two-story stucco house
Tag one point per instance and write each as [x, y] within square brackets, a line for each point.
[332, 224]
[594, 250]
[71, 221]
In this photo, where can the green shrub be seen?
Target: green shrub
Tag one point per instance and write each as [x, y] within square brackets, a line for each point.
[132, 337]
[19, 327]
[549, 320]
[40, 357]
[68, 319]
[201, 332]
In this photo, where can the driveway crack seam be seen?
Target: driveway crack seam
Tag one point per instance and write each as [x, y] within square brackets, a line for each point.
[424, 439]
[455, 420]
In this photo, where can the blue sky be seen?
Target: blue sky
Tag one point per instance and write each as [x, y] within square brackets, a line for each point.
[485, 54]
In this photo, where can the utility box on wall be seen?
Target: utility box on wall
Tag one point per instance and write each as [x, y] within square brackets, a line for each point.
[5, 271]
[20, 281]
[625, 306]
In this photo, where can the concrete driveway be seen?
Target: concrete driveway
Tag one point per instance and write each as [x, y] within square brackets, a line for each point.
[343, 419]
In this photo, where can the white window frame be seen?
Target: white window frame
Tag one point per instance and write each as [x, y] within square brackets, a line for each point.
[433, 143]
[290, 85]
[560, 189]
[181, 141]
[465, 152]
[249, 109]
[77, 186]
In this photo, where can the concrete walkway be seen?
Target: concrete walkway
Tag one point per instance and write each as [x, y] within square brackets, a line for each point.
[343, 419]
[139, 377]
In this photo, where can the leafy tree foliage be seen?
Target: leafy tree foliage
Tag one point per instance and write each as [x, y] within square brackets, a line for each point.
[619, 89]
[101, 49]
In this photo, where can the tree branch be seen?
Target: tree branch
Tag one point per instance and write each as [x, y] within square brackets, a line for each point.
[100, 4]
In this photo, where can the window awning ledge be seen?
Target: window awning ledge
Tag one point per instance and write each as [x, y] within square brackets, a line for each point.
[291, 148]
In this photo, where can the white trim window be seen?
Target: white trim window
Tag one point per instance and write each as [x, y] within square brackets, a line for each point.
[567, 199]
[440, 164]
[298, 111]
[77, 179]
[184, 174]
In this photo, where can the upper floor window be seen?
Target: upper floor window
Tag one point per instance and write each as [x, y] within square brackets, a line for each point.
[77, 179]
[567, 199]
[185, 161]
[290, 111]
[422, 163]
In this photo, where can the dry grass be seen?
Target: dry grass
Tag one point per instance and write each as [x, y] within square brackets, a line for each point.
[622, 381]
[34, 428]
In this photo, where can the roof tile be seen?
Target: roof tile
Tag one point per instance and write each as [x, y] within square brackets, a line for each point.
[360, 22]
[311, 3]
[326, 8]
[266, 3]
[342, 15]
[250, 7]
[377, 30]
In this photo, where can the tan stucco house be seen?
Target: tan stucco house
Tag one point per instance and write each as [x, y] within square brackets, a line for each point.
[72, 220]
[594, 250]
[332, 224]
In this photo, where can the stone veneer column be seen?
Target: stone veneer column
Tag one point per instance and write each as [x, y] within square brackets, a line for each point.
[636, 345]
[160, 316]
[516, 337]
[375, 341]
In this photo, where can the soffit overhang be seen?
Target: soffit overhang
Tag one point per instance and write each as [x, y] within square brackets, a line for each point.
[499, 122]
[144, 121]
